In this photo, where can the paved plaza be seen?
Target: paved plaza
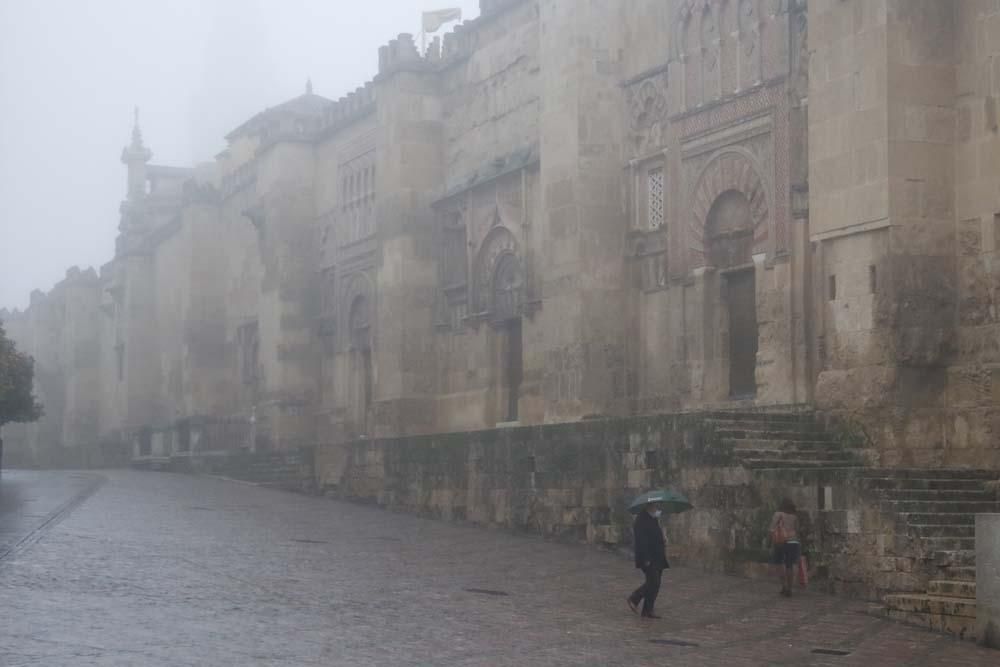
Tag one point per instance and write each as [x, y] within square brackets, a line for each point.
[132, 568]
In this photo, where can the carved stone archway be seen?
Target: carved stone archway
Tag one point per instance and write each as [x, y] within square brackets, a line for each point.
[358, 342]
[736, 170]
[356, 285]
[499, 250]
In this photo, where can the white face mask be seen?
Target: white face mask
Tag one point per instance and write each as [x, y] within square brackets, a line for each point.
[657, 513]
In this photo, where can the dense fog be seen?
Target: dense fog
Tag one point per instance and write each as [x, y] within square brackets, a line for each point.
[71, 73]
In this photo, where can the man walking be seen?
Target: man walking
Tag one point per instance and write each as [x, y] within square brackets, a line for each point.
[650, 557]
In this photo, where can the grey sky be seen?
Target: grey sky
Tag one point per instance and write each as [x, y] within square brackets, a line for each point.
[72, 70]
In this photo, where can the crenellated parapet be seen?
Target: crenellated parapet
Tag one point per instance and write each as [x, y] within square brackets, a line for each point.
[400, 54]
[81, 277]
[349, 109]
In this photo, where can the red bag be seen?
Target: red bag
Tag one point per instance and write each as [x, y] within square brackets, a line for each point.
[803, 572]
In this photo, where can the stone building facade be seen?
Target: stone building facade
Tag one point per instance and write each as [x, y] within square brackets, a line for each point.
[565, 211]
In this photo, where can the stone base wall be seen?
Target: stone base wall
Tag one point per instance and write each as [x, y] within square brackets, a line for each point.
[898, 436]
[573, 481]
[91, 455]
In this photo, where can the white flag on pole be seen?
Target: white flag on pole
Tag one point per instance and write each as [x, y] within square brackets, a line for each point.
[434, 20]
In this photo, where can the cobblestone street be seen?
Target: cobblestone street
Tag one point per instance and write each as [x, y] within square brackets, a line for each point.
[162, 569]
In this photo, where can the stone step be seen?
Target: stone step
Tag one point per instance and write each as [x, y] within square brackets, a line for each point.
[922, 603]
[950, 543]
[959, 573]
[944, 506]
[798, 416]
[794, 454]
[952, 588]
[962, 627]
[764, 464]
[952, 558]
[945, 530]
[931, 473]
[938, 518]
[743, 425]
[770, 434]
[939, 494]
[750, 443]
[925, 483]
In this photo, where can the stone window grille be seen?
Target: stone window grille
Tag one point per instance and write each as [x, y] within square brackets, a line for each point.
[358, 202]
[654, 188]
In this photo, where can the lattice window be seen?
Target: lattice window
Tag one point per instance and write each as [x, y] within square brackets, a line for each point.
[654, 187]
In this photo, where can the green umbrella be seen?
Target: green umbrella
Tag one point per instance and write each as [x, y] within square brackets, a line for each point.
[671, 502]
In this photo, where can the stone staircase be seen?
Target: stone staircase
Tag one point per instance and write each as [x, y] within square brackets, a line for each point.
[782, 439]
[280, 470]
[938, 507]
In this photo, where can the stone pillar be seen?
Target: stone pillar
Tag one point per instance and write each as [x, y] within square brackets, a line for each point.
[409, 176]
[583, 208]
[988, 579]
[286, 309]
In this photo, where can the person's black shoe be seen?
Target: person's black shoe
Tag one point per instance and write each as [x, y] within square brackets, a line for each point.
[632, 605]
[649, 615]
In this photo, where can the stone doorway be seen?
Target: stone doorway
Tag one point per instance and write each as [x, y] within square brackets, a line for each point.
[361, 371]
[506, 300]
[730, 237]
[512, 368]
[741, 306]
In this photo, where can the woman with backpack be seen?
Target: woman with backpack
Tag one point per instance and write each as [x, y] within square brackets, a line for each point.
[784, 533]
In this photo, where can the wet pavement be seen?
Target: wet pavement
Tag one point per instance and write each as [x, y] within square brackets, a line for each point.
[162, 569]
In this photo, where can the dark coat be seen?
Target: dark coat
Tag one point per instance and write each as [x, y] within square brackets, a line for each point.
[650, 546]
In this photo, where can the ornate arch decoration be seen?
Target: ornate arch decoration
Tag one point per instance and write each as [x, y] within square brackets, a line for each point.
[648, 104]
[498, 261]
[729, 169]
[685, 13]
[358, 289]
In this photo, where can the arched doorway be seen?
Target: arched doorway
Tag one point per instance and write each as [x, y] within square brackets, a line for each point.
[359, 326]
[729, 241]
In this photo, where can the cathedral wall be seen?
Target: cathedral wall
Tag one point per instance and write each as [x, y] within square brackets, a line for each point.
[717, 236]
[973, 385]
[849, 211]
[112, 415]
[81, 354]
[173, 290]
[491, 98]
[901, 146]
[582, 283]
[408, 178]
[288, 360]
[345, 195]
[60, 330]
[242, 260]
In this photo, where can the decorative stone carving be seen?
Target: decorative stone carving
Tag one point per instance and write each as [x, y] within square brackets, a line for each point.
[710, 53]
[498, 259]
[647, 106]
[731, 169]
[749, 27]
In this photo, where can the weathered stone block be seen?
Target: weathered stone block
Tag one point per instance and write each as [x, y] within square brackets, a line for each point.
[988, 579]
